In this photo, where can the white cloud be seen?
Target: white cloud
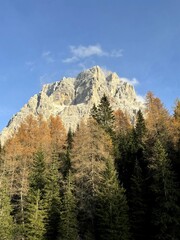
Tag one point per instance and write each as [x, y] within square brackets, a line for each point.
[47, 56]
[133, 81]
[82, 52]
[71, 59]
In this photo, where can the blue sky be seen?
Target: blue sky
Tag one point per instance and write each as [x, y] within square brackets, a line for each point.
[43, 40]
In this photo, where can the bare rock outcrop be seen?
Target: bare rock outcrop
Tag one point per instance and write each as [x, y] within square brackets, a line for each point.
[73, 98]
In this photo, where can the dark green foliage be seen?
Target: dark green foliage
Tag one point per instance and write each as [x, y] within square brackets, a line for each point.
[38, 175]
[111, 209]
[35, 216]
[35, 212]
[165, 209]
[69, 140]
[65, 163]
[52, 198]
[140, 130]
[137, 204]
[69, 223]
[139, 200]
[103, 114]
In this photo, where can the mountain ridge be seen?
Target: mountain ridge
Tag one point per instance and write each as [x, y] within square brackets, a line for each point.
[72, 99]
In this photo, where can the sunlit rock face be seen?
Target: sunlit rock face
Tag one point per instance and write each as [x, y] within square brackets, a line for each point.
[73, 98]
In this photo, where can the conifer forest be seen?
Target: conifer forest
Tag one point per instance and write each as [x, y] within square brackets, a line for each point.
[111, 179]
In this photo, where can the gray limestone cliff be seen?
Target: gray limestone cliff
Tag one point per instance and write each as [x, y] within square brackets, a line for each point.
[73, 98]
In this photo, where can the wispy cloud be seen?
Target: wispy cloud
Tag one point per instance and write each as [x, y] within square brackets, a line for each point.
[133, 81]
[47, 56]
[31, 65]
[81, 52]
[116, 53]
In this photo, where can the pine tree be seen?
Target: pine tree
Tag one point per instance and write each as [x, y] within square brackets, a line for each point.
[165, 209]
[111, 207]
[6, 220]
[52, 198]
[69, 223]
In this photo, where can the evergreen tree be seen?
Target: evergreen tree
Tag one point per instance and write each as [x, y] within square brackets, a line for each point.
[66, 157]
[35, 216]
[35, 212]
[165, 208]
[112, 209]
[137, 204]
[92, 145]
[140, 129]
[69, 140]
[103, 114]
[94, 112]
[6, 220]
[69, 224]
[37, 177]
[52, 198]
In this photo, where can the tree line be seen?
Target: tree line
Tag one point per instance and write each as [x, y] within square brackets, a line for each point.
[108, 180]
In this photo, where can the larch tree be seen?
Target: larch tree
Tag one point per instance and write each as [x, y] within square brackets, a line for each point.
[90, 149]
[6, 219]
[122, 123]
[58, 133]
[158, 120]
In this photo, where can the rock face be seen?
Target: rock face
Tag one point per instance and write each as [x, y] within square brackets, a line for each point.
[73, 98]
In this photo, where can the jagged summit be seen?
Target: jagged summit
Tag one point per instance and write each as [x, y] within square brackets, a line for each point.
[73, 98]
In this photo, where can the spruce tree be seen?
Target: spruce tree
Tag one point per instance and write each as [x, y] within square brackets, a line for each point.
[35, 212]
[6, 220]
[165, 218]
[103, 114]
[111, 207]
[35, 216]
[37, 177]
[52, 198]
[66, 157]
[69, 223]
[137, 204]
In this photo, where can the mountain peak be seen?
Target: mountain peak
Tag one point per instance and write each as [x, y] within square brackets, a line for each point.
[73, 98]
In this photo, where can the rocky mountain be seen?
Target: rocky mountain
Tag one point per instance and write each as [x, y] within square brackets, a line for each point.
[73, 98]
